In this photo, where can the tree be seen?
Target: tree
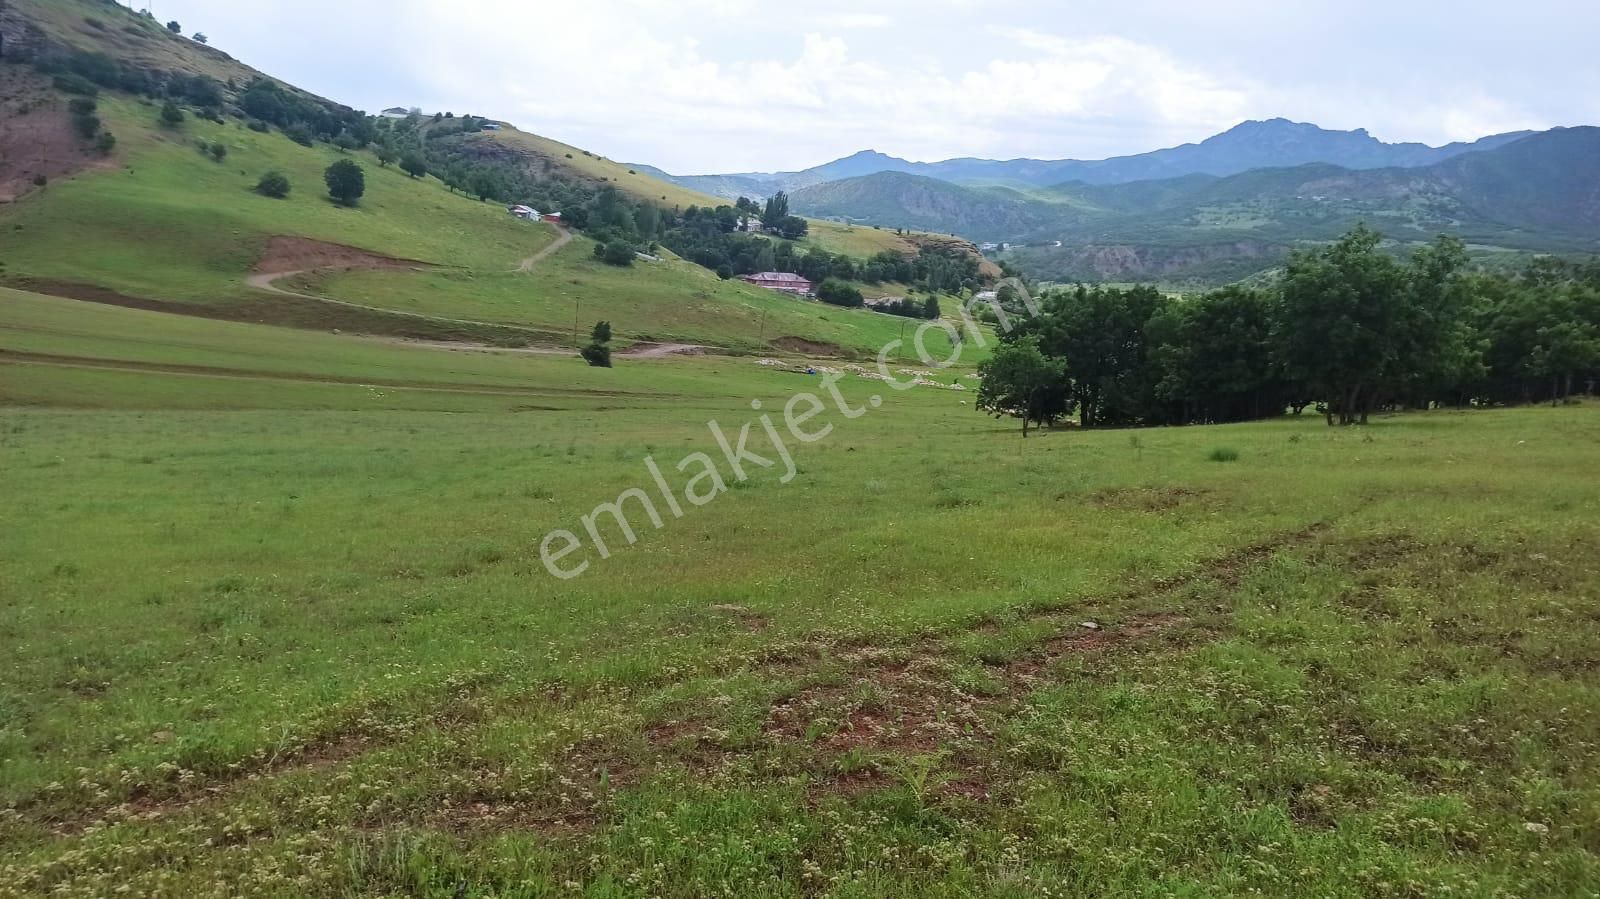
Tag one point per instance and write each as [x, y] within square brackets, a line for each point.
[777, 209]
[346, 142]
[200, 38]
[414, 165]
[1018, 380]
[930, 307]
[274, 185]
[386, 154]
[838, 293]
[105, 143]
[218, 151]
[346, 182]
[617, 252]
[171, 115]
[174, 27]
[790, 227]
[598, 352]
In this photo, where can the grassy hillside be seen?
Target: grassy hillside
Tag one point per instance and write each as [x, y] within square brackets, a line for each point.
[104, 26]
[166, 223]
[333, 664]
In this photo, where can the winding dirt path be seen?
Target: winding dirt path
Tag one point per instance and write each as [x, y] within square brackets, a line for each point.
[565, 238]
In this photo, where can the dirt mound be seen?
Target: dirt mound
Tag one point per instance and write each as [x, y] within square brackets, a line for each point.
[807, 347]
[36, 136]
[286, 254]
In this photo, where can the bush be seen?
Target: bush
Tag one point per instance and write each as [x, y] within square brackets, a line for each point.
[105, 143]
[1224, 454]
[87, 126]
[617, 252]
[346, 182]
[81, 105]
[838, 293]
[300, 134]
[217, 151]
[258, 126]
[171, 115]
[274, 185]
[598, 355]
[73, 83]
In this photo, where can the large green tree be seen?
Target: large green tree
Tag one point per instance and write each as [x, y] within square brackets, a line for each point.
[1022, 382]
[346, 182]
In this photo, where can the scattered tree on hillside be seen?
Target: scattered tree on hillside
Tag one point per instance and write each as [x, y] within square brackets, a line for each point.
[274, 185]
[200, 38]
[1019, 381]
[598, 352]
[617, 252]
[171, 115]
[174, 27]
[414, 165]
[105, 143]
[777, 209]
[346, 182]
[218, 151]
[386, 154]
[837, 293]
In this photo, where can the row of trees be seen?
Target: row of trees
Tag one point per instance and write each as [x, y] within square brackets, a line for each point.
[1351, 329]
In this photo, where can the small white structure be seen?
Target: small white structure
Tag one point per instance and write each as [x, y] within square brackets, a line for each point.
[524, 212]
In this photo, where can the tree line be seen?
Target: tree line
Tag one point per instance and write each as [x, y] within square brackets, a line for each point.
[1349, 329]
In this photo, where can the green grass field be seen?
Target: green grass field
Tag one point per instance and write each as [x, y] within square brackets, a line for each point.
[277, 624]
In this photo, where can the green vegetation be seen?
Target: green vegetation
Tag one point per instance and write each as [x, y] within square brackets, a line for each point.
[332, 663]
[274, 185]
[1349, 329]
[347, 183]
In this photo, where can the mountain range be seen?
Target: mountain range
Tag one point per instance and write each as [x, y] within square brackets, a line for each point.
[1250, 145]
[1523, 193]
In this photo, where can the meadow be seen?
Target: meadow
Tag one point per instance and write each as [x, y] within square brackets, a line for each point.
[276, 624]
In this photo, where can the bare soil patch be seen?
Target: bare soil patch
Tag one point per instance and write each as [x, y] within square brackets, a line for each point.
[807, 347]
[36, 136]
[285, 254]
[1147, 499]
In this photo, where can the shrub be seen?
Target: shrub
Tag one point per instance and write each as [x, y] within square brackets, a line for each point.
[598, 355]
[73, 83]
[81, 105]
[618, 252]
[837, 293]
[105, 143]
[218, 151]
[274, 185]
[39, 181]
[346, 182]
[258, 126]
[1224, 454]
[86, 125]
[171, 115]
[299, 133]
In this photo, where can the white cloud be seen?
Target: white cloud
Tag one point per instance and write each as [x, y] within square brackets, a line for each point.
[719, 85]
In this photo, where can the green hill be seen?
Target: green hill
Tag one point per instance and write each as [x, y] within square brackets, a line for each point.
[159, 222]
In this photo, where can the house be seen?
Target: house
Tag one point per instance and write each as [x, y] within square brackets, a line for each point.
[491, 126]
[750, 225]
[785, 282]
[395, 112]
[553, 218]
[524, 212]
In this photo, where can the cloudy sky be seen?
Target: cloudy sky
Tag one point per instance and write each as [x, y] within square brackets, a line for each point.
[698, 86]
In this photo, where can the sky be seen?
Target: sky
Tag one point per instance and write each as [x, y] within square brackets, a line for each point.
[704, 86]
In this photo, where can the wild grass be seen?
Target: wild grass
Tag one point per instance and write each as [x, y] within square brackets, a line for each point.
[310, 648]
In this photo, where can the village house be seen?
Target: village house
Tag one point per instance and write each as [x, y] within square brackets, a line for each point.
[524, 212]
[785, 282]
[553, 218]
